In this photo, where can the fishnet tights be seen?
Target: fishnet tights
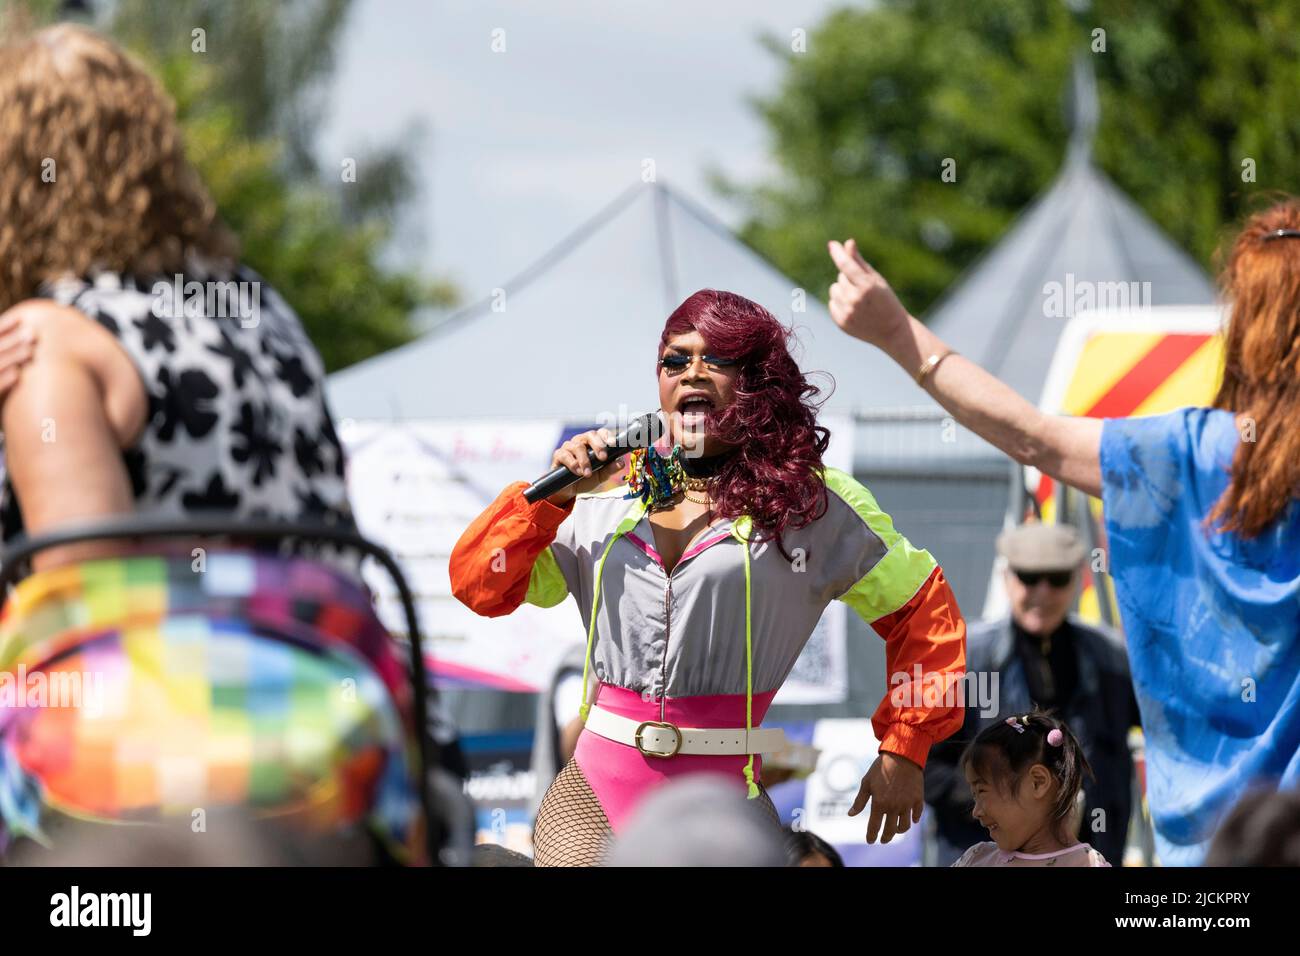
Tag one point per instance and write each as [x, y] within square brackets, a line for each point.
[571, 827]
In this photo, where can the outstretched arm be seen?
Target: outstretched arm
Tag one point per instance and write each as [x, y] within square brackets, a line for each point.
[863, 305]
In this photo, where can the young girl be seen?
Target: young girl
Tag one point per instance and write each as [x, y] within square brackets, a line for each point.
[1026, 774]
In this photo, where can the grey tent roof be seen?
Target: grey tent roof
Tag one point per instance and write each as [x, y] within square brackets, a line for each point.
[576, 333]
[1083, 229]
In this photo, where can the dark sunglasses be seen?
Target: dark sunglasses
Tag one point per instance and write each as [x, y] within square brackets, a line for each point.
[678, 362]
[1057, 579]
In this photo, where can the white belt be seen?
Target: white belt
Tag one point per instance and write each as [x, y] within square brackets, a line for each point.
[656, 738]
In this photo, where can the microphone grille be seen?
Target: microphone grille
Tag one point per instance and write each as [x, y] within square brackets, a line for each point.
[643, 431]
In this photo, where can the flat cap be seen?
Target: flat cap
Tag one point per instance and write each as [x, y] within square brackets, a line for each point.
[1042, 547]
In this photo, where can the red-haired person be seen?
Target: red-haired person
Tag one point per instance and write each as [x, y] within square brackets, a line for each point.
[1202, 519]
[701, 581]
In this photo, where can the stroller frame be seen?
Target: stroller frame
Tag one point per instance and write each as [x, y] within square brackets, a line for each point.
[14, 559]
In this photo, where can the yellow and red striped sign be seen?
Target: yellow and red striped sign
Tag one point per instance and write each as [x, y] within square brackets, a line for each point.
[1123, 373]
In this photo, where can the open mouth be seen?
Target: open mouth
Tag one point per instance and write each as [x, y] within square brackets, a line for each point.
[695, 407]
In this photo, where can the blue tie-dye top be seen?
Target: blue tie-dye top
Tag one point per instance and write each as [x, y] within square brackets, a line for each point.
[1212, 622]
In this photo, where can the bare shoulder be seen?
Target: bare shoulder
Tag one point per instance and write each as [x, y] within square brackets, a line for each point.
[42, 310]
[59, 330]
[67, 341]
[50, 330]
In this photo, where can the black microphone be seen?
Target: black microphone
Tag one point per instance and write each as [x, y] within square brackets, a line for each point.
[641, 433]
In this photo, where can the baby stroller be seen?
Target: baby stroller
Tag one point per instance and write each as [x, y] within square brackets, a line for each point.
[174, 681]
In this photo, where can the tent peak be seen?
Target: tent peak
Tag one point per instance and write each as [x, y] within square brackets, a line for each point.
[1083, 110]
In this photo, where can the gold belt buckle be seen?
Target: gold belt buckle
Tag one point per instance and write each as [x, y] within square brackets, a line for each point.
[662, 724]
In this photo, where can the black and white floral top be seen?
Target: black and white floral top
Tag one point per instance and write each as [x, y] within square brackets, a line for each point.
[238, 422]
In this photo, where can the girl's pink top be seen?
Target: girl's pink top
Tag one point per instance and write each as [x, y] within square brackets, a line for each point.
[990, 854]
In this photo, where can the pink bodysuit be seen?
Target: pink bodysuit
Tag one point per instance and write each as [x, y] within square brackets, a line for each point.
[620, 776]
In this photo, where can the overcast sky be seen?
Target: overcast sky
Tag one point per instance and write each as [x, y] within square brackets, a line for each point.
[523, 145]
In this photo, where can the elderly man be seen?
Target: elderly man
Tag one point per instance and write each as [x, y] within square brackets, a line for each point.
[1044, 656]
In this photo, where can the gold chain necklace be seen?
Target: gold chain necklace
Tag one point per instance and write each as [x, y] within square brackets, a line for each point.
[685, 489]
[696, 484]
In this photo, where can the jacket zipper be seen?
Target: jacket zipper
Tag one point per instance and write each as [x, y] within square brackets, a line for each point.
[668, 620]
[668, 627]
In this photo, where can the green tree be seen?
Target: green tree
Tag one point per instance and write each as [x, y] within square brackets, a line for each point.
[250, 93]
[863, 122]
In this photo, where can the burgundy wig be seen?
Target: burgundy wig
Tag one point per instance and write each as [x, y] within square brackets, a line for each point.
[774, 476]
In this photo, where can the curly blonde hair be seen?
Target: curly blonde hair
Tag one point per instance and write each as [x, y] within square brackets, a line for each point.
[93, 173]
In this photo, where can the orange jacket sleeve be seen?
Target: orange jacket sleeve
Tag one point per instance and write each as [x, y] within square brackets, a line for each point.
[928, 631]
[493, 560]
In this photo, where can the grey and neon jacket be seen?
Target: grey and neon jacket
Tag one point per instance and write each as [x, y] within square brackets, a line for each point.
[733, 614]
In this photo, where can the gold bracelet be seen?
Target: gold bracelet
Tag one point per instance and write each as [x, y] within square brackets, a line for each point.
[931, 364]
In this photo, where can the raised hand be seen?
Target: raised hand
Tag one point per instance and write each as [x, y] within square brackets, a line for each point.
[861, 301]
[17, 345]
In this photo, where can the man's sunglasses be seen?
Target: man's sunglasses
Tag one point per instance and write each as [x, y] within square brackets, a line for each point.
[1057, 579]
[678, 362]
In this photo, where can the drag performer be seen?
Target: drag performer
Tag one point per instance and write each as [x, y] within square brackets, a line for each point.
[701, 579]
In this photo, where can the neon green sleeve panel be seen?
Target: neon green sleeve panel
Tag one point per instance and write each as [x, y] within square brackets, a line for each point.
[546, 584]
[896, 568]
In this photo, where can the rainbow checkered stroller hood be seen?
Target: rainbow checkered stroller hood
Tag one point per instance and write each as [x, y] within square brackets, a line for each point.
[145, 688]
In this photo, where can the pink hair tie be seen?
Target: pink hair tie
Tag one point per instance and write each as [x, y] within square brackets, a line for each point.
[1013, 722]
[1054, 737]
